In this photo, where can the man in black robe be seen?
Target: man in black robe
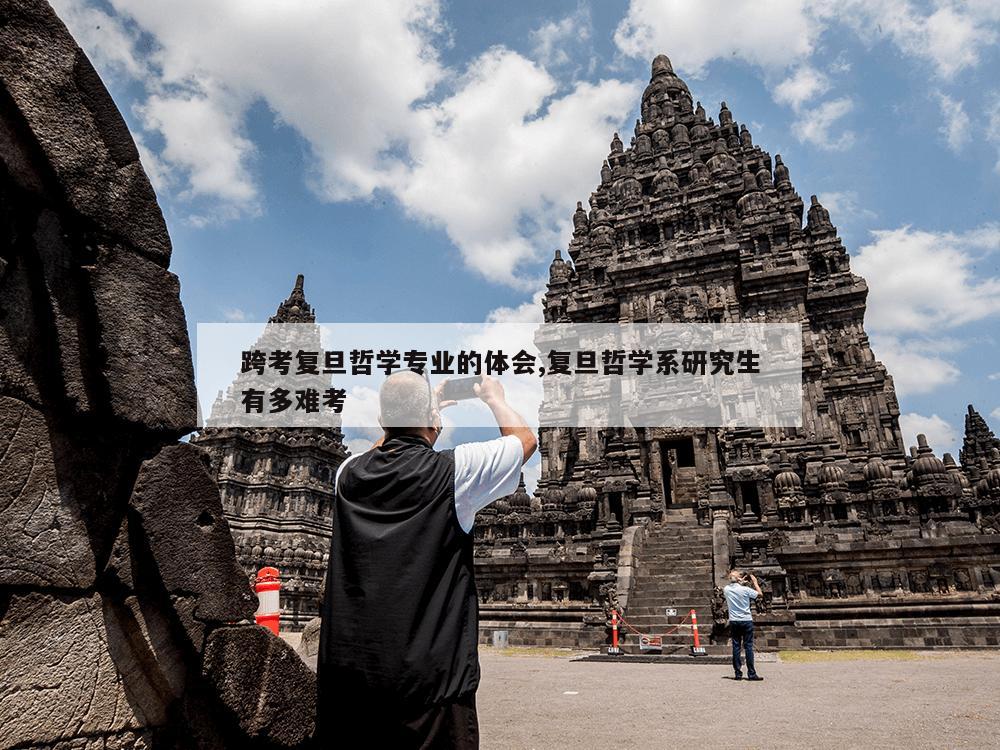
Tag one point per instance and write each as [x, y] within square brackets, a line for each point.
[398, 659]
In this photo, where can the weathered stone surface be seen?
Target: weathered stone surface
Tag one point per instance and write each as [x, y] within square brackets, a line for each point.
[126, 740]
[75, 123]
[143, 337]
[151, 663]
[308, 647]
[120, 342]
[263, 682]
[45, 541]
[40, 298]
[177, 507]
[121, 568]
[57, 679]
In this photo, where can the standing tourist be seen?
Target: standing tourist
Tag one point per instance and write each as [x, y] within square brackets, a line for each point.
[738, 597]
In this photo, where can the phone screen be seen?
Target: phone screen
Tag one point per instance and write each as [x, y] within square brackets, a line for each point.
[460, 389]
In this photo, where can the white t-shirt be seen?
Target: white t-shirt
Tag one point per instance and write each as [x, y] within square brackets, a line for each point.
[484, 472]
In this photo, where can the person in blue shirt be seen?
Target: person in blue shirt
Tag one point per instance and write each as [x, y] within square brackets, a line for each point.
[738, 597]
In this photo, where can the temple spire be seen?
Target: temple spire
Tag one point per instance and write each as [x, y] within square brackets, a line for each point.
[295, 309]
[978, 443]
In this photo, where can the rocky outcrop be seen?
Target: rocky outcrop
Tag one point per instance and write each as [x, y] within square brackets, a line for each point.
[125, 620]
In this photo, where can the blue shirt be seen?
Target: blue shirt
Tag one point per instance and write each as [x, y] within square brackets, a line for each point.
[738, 597]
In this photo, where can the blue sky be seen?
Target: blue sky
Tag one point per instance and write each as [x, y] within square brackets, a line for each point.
[420, 160]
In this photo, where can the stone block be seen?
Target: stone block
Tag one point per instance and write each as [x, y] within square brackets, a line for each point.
[176, 505]
[144, 341]
[309, 644]
[77, 127]
[263, 682]
[57, 678]
[134, 363]
[40, 300]
[46, 542]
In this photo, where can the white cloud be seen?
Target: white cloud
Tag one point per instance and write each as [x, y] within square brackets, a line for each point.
[803, 85]
[344, 75]
[995, 413]
[993, 376]
[845, 203]
[951, 37]
[778, 35]
[840, 64]
[956, 127]
[235, 315]
[814, 125]
[495, 155]
[924, 284]
[915, 365]
[993, 125]
[526, 312]
[553, 41]
[769, 33]
[202, 139]
[499, 163]
[941, 436]
[107, 40]
[921, 282]
[953, 40]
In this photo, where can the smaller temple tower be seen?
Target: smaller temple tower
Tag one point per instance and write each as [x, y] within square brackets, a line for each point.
[277, 492]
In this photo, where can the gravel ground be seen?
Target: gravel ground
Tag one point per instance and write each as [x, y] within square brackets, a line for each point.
[894, 700]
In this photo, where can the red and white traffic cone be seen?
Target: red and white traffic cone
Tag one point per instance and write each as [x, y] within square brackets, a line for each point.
[697, 649]
[268, 588]
[614, 650]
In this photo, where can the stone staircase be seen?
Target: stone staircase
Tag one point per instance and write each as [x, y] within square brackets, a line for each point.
[674, 570]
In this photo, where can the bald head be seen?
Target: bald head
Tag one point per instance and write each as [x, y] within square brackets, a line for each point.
[405, 401]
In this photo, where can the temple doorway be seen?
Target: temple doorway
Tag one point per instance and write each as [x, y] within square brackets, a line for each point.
[615, 509]
[676, 456]
[751, 497]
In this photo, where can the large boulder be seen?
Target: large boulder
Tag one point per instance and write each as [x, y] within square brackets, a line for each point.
[125, 621]
[84, 250]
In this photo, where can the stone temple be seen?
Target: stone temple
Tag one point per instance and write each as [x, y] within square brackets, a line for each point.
[856, 540]
[276, 486]
[125, 614]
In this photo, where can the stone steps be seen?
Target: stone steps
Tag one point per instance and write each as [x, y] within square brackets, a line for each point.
[678, 551]
[674, 570]
[681, 576]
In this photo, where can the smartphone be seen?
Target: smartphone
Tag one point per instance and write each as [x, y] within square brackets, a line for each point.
[460, 389]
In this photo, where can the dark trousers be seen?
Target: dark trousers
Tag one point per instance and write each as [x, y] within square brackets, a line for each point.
[742, 634]
[452, 725]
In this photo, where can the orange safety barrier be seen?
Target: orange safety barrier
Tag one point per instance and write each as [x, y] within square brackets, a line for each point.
[614, 633]
[618, 620]
[697, 649]
[268, 588]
